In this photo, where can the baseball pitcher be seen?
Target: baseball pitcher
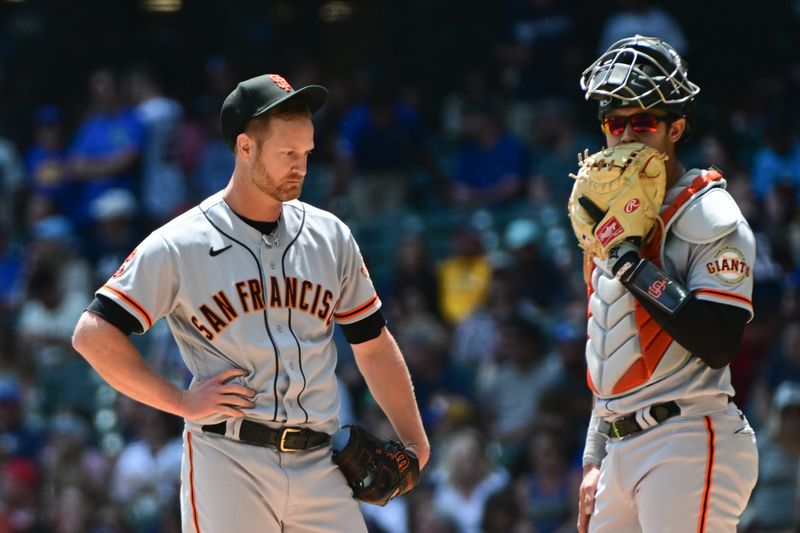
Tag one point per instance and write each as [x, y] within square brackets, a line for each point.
[251, 282]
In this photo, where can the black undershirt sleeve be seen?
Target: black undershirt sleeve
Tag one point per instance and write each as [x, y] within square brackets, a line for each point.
[114, 314]
[364, 330]
[710, 330]
[356, 333]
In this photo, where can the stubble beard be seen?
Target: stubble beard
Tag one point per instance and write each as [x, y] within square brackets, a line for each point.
[281, 191]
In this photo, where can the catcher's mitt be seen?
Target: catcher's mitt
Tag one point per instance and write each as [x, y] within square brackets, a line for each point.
[376, 470]
[616, 196]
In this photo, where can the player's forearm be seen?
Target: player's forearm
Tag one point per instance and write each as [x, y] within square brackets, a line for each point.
[594, 449]
[116, 359]
[709, 330]
[389, 381]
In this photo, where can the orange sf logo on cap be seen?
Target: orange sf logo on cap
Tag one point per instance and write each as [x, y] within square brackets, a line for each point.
[280, 82]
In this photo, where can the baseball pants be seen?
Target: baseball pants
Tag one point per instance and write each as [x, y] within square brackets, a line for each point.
[688, 474]
[231, 486]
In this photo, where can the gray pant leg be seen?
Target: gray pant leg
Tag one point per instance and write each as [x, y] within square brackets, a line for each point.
[319, 499]
[614, 510]
[230, 486]
[703, 484]
[220, 494]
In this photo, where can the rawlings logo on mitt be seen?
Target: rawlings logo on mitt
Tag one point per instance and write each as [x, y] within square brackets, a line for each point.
[616, 196]
[376, 470]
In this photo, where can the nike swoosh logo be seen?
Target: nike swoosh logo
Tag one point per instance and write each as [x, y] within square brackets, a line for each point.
[214, 252]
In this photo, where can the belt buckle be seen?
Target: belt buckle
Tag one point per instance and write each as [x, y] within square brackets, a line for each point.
[282, 445]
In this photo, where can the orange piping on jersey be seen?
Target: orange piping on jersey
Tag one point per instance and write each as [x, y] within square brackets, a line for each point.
[725, 294]
[358, 310]
[701, 526]
[133, 303]
[191, 482]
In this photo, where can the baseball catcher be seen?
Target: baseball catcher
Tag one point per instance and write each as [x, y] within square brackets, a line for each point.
[668, 261]
[376, 470]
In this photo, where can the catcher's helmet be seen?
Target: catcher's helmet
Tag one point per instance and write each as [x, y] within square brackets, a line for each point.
[640, 71]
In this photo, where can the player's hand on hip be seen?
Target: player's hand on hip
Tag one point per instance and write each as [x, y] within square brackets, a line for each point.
[591, 475]
[215, 396]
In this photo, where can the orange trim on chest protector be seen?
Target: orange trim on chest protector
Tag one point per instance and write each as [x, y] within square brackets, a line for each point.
[652, 248]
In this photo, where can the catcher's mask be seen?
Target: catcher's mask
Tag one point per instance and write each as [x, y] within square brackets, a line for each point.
[645, 72]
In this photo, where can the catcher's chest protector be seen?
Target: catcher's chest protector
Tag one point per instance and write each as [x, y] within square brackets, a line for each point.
[626, 349]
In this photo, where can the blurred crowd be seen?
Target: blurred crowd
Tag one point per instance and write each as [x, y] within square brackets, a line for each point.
[459, 205]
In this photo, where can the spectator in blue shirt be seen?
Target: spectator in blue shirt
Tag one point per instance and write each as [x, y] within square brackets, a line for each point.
[47, 170]
[18, 437]
[492, 164]
[106, 149]
[778, 160]
[381, 141]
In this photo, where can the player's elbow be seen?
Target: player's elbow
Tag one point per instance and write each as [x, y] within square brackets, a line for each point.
[86, 332]
[79, 335]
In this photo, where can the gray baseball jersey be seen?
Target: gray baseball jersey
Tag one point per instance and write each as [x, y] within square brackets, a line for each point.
[703, 241]
[234, 297]
[264, 303]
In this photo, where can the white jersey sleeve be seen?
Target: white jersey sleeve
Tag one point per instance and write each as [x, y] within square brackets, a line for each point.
[722, 271]
[721, 250]
[146, 283]
[358, 298]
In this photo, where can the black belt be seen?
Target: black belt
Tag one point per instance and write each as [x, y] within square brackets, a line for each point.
[628, 425]
[285, 439]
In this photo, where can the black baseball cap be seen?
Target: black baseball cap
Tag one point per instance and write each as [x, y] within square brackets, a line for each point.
[258, 95]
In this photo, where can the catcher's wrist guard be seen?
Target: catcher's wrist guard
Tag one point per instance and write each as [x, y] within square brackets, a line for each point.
[376, 470]
[650, 283]
[623, 258]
